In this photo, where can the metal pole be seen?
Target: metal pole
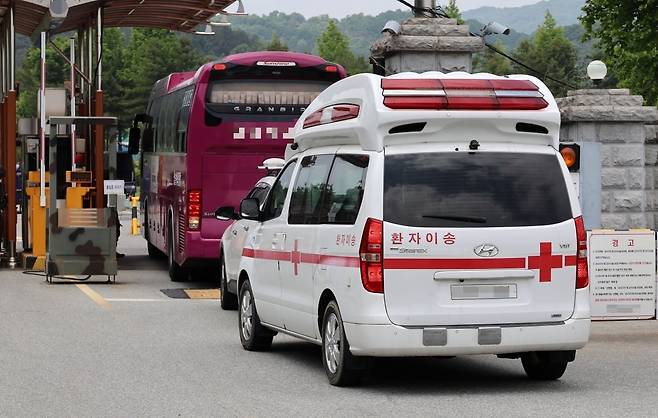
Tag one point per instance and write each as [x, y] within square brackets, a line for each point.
[11, 149]
[424, 4]
[99, 48]
[72, 48]
[90, 71]
[3, 54]
[42, 130]
[12, 50]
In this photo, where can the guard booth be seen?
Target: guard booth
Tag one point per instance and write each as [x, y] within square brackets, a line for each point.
[81, 241]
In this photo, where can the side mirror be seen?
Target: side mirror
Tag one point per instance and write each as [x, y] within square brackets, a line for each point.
[226, 213]
[147, 140]
[133, 140]
[250, 209]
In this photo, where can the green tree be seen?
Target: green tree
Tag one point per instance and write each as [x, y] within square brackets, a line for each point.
[114, 51]
[152, 54]
[627, 34]
[551, 54]
[452, 10]
[335, 47]
[492, 62]
[276, 44]
[57, 72]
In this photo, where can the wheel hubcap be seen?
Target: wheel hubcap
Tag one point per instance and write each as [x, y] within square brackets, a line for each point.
[332, 343]
[222, 280]
[246, 315]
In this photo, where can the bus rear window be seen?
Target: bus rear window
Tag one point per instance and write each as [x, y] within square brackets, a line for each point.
[483, 189]
[264, 92]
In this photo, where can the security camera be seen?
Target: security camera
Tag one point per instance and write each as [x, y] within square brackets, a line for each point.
[392, 27]
[494, 28]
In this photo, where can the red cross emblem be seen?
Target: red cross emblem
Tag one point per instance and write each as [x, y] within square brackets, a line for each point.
[296, 258]
[545, 262]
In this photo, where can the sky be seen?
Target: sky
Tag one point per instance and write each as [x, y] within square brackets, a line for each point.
[342, 8]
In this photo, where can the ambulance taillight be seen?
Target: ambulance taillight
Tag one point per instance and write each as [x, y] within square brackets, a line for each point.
[462, 94]
[371, 254]
[571, 155]
[582, 273]
[332, 114]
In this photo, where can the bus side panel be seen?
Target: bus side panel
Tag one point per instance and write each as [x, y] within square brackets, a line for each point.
[163, 182]
[171, 190]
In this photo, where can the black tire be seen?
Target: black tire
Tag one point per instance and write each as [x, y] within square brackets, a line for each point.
[176, 272]
[227, 300]
[341, 367]
[154, 252]
[253, 335]
[540, 366]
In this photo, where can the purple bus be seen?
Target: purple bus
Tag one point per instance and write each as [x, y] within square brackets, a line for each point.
[205, 134]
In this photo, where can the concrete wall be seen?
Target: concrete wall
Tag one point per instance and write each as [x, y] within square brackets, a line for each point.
[629, 152]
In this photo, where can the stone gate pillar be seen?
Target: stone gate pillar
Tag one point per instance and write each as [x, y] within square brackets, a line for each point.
[426, 44]
[616, 120]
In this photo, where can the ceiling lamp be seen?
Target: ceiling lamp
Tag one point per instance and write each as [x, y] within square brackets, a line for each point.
[207, 32]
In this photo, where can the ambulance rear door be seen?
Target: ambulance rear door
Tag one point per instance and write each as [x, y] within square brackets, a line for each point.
[477, 237]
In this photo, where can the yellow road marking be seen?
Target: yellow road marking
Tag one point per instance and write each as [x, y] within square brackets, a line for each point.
[100, 300]
[202, 293]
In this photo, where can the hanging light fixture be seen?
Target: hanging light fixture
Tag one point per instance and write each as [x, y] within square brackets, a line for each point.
[207, 32]
[223, 21]
[241, 8]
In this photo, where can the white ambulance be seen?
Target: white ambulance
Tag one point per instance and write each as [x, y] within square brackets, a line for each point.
[421, 215]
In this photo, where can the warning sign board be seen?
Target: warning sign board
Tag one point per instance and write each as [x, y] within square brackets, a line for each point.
[622, 271]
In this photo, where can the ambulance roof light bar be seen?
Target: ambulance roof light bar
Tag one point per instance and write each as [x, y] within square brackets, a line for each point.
[462, 94]
[332, 114]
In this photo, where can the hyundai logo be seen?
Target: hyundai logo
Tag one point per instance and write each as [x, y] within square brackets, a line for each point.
[486, 250]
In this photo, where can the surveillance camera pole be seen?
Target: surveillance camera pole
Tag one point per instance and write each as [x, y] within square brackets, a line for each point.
[423, 4]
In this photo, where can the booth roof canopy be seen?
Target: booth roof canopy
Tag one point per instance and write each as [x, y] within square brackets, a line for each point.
[178, 15]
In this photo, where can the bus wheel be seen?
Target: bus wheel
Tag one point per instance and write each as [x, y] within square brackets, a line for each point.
[228, 301]
[176, 272]
[154, 252]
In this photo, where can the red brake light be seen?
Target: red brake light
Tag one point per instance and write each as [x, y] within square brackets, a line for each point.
[194, 209]
[582, 274]
[371, 253]
[416, 102]
[462, 94]
[411, 84]
[219, 67]
[331, 114]
[331, 69]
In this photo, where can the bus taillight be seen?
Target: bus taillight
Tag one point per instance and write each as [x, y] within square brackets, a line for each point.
[193, 209]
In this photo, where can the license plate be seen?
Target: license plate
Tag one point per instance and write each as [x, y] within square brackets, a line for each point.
[483, 291]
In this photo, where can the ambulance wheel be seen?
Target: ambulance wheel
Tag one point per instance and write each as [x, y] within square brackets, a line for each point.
[176, 272]
[540, 366]
[341, 367]
[253, 335]
[227, 300]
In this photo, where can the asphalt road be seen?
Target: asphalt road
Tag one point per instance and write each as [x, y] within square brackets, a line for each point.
[127, 350]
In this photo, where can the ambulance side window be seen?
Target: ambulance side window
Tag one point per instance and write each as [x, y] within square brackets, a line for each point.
[309, 187]
[277, 197]
[344, 191]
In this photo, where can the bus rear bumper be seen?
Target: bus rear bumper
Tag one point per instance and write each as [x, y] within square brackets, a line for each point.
[200, 248]
[393, 340]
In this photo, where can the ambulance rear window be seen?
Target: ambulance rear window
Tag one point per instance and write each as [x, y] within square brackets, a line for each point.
[482, 189]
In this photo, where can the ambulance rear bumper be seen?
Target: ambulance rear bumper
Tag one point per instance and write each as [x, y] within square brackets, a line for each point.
[393, 340]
